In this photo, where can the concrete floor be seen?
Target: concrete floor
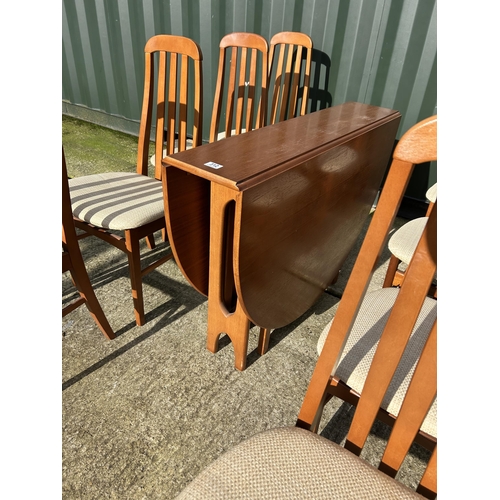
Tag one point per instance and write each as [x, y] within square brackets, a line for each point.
[144, 413]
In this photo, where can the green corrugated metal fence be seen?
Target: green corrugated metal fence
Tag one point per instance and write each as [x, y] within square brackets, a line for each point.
[381, 52]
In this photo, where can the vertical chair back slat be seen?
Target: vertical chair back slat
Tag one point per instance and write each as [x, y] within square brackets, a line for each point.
[146, 116]
[160, 104]
[428, 483]
[287, 89]
[294, 90]
[231, 87]
[419, 398]
[172, 107]
[183, 104]
[277, 82]
[251, 91]
[218, 97]
[198, 105]
[241, 89]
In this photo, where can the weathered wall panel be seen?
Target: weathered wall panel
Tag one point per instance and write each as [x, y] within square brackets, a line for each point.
[381, 52]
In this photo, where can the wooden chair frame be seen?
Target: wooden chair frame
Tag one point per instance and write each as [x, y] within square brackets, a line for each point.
[72, 261]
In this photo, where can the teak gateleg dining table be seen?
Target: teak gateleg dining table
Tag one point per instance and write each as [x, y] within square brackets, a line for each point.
[262, 222]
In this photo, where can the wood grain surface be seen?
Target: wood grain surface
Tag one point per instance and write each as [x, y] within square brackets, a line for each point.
[302, 190]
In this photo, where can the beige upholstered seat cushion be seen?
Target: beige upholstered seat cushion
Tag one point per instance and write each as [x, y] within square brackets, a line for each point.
[222, 135]
[431, 193]
[117, 200]
[292, 464]
[405, 240]
[363, 340]
[189, 145]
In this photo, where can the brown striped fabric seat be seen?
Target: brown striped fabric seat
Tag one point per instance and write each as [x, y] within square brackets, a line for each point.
[117, 200]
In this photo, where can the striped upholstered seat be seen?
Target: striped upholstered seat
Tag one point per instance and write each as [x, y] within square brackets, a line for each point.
[117, 200]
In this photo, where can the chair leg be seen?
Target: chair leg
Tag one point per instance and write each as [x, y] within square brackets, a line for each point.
[391, 271]
[399, 277]
[134, 262]
[82, 283]
[150, 240]
[264, 336]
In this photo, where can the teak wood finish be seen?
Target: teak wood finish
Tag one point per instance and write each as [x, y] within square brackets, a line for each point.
[289, 62]
[179, 60]
[238, 93]
[72, 261]
[278, 219]
[418, 145]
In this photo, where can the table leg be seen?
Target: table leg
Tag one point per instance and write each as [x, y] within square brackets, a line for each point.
[225, 314]
[235, 325]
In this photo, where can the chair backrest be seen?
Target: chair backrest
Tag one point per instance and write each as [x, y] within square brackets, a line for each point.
[179, 75]
[418, 145]
[245, 100]
[290, 67]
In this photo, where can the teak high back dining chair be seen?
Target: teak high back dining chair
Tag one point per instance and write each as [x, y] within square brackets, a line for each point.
[290, 66]
[243, 99]
[72, 261]
[132, 203]
[393, 354]
[369, 351]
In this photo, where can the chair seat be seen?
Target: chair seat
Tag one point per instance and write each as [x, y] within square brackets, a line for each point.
[403, 242]
[117, 200]
[189, 145]
[222, 135]
[292, 463]
[431, 193]
[363, 340]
